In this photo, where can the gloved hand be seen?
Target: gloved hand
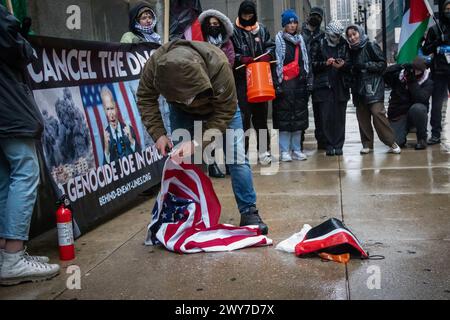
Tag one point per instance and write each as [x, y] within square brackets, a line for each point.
[266, 58]
[246, 60]
[410, 75]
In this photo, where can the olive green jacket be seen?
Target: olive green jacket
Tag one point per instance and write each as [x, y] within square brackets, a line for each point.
[179, 71]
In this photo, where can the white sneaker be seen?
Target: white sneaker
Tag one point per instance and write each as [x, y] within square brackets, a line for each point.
[265, 158]
[18, 268]
[299, 156]
[286, 157]
[365, 151]
[395, 149]
[41, 259]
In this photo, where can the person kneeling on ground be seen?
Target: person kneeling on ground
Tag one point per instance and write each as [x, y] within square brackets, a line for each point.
[409, 102]
[196, 79]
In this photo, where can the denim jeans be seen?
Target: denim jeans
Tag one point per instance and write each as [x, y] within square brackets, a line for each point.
[165, 112]
[417, 117]
[290, 141]
[19, 179]
[240, 171]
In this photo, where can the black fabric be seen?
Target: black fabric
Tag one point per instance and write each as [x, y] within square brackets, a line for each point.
[247, 7]
[333, 117]
[247, 44]
[368, 66]
[434, 40]
[327, 77]
[311, 36]
[182, 14]
[290, 108]
[404, 95]
[19, 115]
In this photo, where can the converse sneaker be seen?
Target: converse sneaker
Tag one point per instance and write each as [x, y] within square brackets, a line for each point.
[41, 259]
[365, 150]
[395, 149]
[252, 218]
[299, 156]
[265, 158]
[286, 157]
[18, 268]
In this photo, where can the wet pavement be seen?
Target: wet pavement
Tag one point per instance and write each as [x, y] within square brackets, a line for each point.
[397, 205]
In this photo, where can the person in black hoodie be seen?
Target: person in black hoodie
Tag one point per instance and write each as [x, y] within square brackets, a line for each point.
[21, 124]
[409, 102]
[368, 65]
[331, 66]
[437, 43]
[251, 39]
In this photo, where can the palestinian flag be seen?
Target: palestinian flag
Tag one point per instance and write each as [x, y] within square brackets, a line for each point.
[414, 25]
[331, 237]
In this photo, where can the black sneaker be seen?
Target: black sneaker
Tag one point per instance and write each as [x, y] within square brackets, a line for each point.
[214, 171]
[433, 141]
[330, 152]
[253, 218]
[421, 145]
[338, 152]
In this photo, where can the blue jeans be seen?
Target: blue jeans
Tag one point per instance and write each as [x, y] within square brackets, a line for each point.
[290, 141]
[19, 179]
[240, 171]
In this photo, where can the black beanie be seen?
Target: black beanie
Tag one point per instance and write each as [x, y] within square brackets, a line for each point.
[247, 7]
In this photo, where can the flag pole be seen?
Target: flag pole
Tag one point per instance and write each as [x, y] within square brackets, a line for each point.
[10, 7]
[430, 11]
[166, 20]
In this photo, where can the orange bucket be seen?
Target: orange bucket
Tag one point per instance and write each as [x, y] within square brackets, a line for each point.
[259, 82]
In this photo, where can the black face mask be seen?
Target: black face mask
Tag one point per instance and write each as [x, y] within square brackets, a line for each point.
[447, 16]
[247, 23]
[214, 31]
[315, 21]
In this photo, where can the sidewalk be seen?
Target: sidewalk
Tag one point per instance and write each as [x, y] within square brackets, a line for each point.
[397, 205]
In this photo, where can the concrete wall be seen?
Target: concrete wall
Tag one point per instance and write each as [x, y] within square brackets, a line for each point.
[103, 20]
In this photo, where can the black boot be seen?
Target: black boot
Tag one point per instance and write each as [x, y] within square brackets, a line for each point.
[253, 218]
[421, 144]
[214, 171]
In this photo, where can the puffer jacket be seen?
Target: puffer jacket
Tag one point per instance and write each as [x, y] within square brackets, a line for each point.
[323, 73]
[369, 65]
[208, 70]
[19, 115]
[290, 108]
[227, 45]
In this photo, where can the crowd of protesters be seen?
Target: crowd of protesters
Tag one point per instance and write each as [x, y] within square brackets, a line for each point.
[329, 65]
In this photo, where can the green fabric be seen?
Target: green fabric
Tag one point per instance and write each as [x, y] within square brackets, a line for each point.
[20, 8]
[409, 51]
[130, 37]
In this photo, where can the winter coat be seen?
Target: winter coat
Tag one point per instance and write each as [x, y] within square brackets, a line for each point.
[209, 70]
[329, 78]
[247, 44]
[311, 36]
[404, 95]
[19, 115]
[227, 45]
[369, 65]
[439, 66]
[290, 108]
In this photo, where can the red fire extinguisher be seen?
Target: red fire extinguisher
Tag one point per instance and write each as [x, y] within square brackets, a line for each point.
[65, 229]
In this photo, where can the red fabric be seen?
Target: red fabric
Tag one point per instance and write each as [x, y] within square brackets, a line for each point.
[266, 58]
[228, 49]
[292, 70]
[419, 11]
[246, 60]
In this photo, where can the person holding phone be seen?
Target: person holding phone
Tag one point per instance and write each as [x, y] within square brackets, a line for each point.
[331, 67]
